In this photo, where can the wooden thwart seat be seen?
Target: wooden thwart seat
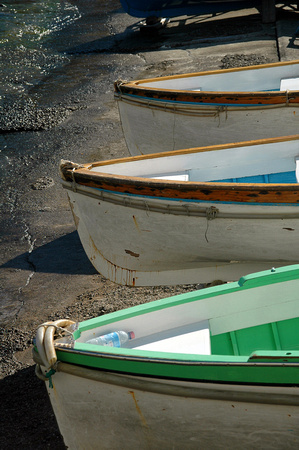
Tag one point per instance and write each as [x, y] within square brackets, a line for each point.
[289, 84]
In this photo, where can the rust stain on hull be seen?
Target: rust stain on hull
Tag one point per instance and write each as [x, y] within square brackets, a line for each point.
[138, 409]
[75, 217]
[129, 252]
[113, 269]
[136, 223]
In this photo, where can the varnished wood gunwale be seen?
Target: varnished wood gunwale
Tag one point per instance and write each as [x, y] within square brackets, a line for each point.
[136, 88]
[187, 190]
[227, 98]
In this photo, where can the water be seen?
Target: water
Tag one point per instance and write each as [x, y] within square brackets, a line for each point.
[26, 29]
[56, 64]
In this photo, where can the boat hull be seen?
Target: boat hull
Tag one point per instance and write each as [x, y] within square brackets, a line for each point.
[152, 126]
[138, 241]
[213, 368]
[121, 411]
[172, 8]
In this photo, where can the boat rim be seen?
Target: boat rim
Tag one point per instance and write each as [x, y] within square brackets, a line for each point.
[245, 392]
[138, 82]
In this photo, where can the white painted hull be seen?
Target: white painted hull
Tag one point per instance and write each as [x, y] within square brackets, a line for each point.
[156, 126]
[100, 410]
[134, 241]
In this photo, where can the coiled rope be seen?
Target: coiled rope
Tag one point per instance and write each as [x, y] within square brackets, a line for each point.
[45, 335]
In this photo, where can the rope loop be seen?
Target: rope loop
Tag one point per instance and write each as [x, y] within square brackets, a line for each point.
[211, 213]
[49, 377]
[45, 336]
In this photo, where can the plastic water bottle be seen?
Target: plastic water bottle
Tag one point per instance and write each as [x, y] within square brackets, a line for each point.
[114, 339]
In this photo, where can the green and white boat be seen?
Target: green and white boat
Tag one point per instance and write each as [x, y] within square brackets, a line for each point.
[212, 368]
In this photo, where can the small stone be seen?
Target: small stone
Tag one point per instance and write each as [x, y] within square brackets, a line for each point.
[43, 183]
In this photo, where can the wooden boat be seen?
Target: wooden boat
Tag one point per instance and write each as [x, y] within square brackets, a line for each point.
[214, 368]
[207, 108]
[189, 216]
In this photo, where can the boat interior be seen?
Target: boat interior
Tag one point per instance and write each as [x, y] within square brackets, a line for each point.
[269, 78]
[265, 163]
[236, 323]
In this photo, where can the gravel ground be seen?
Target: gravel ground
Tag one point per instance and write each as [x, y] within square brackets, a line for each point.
[108, 298]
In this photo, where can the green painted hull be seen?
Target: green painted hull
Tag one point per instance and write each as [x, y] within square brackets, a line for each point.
[265, 353]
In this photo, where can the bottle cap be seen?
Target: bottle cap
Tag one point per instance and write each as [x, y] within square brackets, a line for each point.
[131, 334]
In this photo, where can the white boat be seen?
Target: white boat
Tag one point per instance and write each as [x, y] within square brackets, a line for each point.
[189, 216]
[207, 108]
[216, 368]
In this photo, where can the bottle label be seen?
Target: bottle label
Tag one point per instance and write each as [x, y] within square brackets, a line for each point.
[112, 340]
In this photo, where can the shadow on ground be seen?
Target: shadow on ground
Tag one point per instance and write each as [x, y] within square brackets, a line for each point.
[27, 419]
[186, 31]
[183, 32]
[64, 255]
